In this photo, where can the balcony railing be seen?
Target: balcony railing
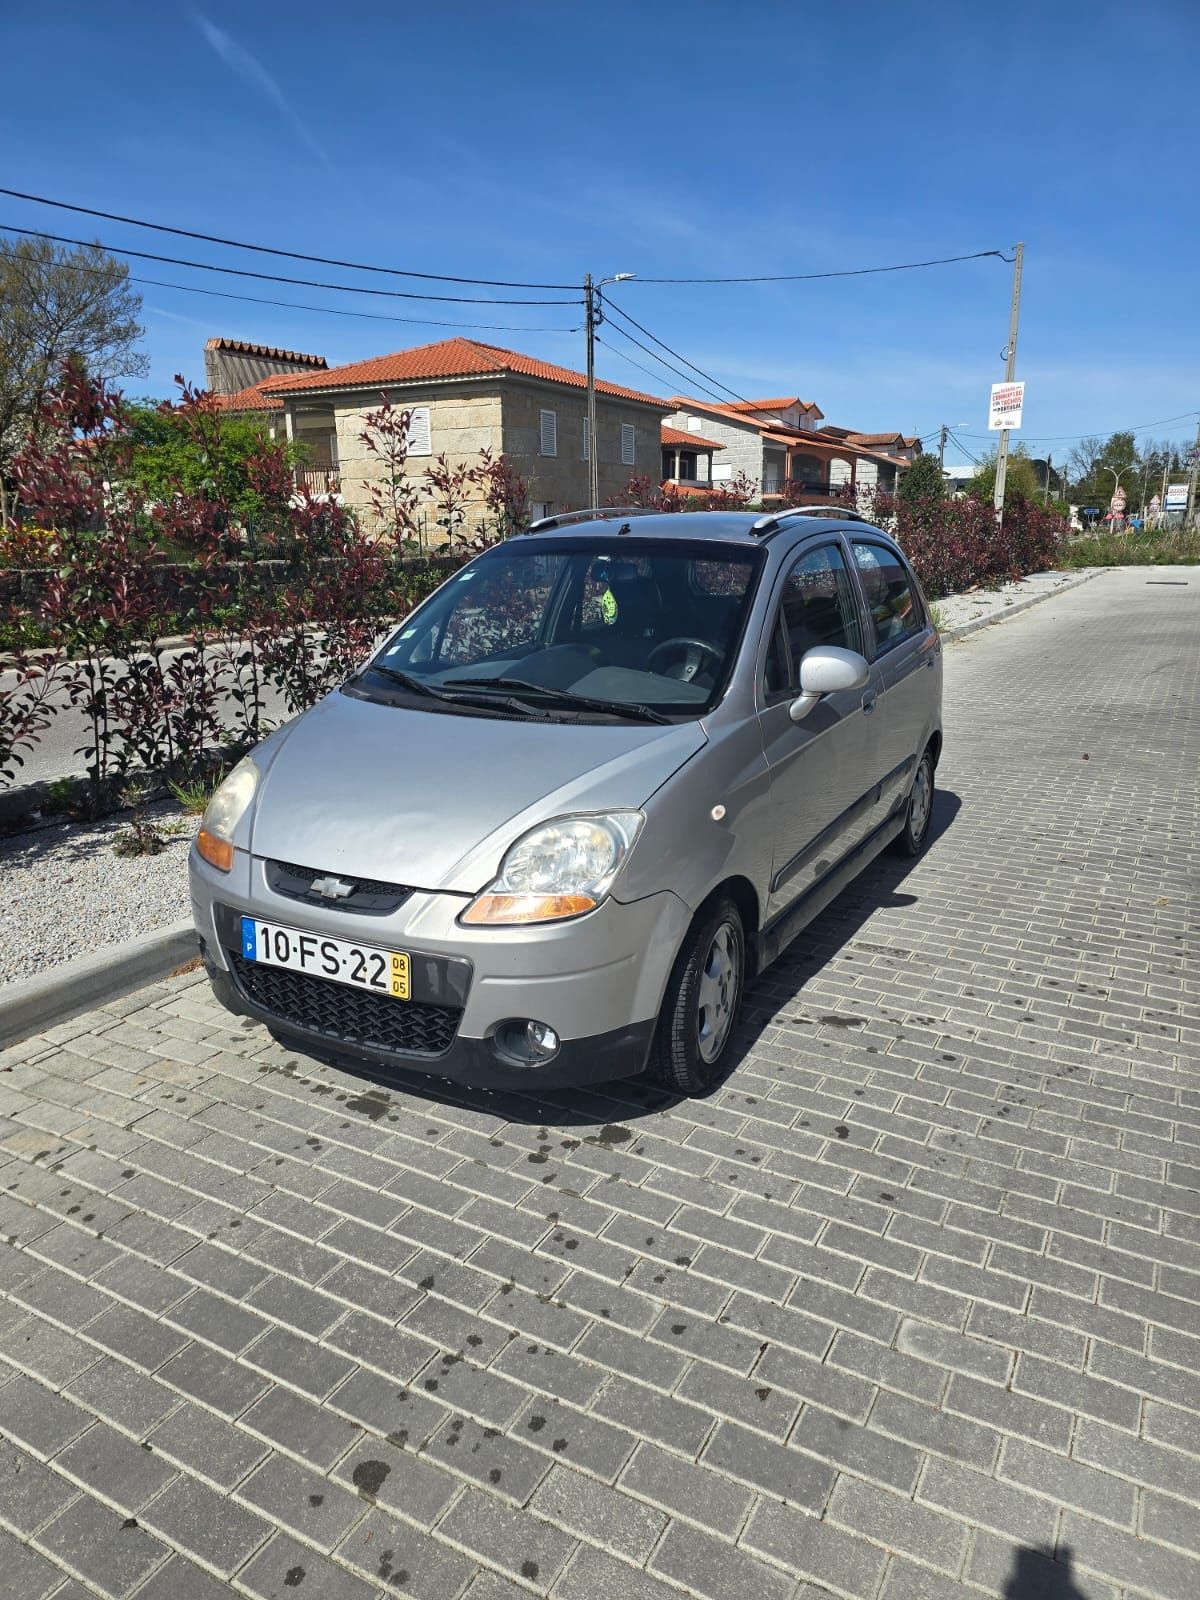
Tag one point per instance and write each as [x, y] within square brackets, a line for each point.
[319, 480]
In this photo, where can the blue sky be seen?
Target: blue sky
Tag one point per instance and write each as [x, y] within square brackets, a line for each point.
[538, 141]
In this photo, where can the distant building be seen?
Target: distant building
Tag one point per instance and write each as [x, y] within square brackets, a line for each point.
[465, 396]
[232, 366]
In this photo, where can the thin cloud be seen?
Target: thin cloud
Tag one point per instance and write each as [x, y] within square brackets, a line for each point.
[249, 68]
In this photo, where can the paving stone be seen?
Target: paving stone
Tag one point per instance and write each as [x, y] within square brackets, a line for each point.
[387, 1474]
[300, 1426]
[189, 1516]
[24, 1575]
[204, 1375]
[30, 1494]
[861, 1450]
[178, 1580]
[604, 1516]
[681, 1487]
[590, 1574]
[109, 1551]
[122, 1396]
[706, 1565]
[111, 1465]
[898, 1523]
[813, 1549]
[403, 1560]
[298, 1498]
[43, 1421]
[779, 1470]
[208, 1445]
[277, 1571]
[512, 1540]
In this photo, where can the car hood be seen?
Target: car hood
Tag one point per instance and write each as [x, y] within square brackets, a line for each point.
[433, 800]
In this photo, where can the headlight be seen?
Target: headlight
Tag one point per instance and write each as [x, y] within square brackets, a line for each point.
[223, 813]
[561, 869]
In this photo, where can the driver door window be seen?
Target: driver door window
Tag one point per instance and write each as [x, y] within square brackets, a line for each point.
[818, 606]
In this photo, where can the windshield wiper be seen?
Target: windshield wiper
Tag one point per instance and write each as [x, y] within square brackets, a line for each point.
[583, 702]
[484, 702]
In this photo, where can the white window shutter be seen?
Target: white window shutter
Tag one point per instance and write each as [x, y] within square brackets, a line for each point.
[587, 441]
[548, 441]
[628, 444]
[420, 442]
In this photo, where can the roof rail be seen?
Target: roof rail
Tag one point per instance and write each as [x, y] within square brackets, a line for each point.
[592, 514]
[774, 520]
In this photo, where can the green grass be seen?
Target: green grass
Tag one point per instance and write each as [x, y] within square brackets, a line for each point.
[1151, 548]
[194, 794]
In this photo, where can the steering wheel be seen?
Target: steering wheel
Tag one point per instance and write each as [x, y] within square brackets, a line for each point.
[695, 654]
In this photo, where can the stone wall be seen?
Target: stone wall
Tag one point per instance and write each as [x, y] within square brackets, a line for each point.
[561, 481]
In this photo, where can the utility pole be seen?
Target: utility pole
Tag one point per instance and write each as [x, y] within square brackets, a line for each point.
[1191, 505]
[942, 447]
[1009, 369]
[1049, 464]
[589, 309]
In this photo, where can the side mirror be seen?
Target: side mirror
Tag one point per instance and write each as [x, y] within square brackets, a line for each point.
[827, 669]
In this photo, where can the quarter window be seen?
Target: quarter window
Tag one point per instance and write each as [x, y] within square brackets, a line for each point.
[818, 607]
[891, 599]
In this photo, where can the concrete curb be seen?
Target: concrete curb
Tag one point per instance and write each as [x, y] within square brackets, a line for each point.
[33, 1004]
[949, 635]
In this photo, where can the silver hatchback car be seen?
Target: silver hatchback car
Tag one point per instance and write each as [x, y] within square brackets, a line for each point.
[586, 791]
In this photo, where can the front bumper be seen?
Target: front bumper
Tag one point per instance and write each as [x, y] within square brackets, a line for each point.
[597, 981]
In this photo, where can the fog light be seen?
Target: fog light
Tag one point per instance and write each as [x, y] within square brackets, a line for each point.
[524, 1043]
[543, 1041]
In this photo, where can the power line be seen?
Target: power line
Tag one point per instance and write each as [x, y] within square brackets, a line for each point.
[656, 376]
[676, 372]
[1060, 438]
[272, 250]
[325, 311]
[851, 272]
[273, 277]
[954, 437]
[714, 383]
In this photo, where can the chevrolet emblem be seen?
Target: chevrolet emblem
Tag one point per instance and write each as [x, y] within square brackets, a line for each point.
[331, 888]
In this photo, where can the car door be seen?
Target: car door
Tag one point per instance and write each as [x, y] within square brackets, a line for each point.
[815, 765]
[903, 649]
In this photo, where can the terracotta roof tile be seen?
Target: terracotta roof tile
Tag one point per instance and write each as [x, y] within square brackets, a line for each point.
[877, 438]
[242, 347]
[251, 399]
[692, 441]
[449, 358]
[776, 405]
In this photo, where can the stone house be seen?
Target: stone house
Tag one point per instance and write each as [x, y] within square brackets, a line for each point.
[465, 396]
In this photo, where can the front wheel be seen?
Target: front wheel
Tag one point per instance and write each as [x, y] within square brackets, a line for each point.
[695, 1026]
[910, 841]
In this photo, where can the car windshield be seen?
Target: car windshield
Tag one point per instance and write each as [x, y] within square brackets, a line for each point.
[612, 626]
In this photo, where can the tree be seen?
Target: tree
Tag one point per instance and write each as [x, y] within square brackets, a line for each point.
[922, 481]
[1116, 460]
[1083, 457]
[1020, 479]
[59, 305]
[194, 450]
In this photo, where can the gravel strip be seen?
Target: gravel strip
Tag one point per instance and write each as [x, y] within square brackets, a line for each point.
[64, 893]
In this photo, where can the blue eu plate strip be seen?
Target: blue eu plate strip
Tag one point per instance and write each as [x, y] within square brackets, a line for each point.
[249, 939]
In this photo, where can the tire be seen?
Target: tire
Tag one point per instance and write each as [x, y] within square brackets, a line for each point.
[696, 1023]
[918, 811]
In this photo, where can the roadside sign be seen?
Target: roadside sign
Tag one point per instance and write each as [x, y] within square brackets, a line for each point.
[1118, 502]
[1177, 497]
[1004, 409]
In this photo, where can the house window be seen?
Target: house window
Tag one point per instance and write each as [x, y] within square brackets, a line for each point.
[693, 424]
[722, 472]
[628, 444]
[587, 441]
[420, 442]
[548, 434]
[541, 508]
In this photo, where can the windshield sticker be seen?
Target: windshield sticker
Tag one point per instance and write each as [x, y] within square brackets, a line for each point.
[465, 577]
[608, 606]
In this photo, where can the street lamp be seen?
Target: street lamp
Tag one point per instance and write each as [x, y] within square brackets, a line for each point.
[1117, 476]
[592, 320]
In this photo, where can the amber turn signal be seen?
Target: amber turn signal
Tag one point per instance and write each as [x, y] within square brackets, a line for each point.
[217, 852]
[503, 910]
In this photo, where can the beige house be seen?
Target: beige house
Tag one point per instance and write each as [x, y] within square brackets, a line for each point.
[464, 397]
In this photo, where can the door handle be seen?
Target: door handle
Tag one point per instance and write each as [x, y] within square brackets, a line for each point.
[868, 703]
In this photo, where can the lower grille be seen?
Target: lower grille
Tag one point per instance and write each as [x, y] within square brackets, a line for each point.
[348, 1015]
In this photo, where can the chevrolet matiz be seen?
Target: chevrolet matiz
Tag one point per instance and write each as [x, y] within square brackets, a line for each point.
[584, 793]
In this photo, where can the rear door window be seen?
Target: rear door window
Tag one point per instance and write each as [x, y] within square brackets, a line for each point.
[891, 595]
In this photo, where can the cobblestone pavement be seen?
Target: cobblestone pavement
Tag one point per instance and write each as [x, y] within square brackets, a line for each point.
[907, 1306]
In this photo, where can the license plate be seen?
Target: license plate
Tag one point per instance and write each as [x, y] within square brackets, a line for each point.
[362, 966]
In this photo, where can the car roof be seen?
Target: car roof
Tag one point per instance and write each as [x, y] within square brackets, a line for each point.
[737, 527]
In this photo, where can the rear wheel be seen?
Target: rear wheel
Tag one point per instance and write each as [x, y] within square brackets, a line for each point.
[695, 1026]
[910, 841]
